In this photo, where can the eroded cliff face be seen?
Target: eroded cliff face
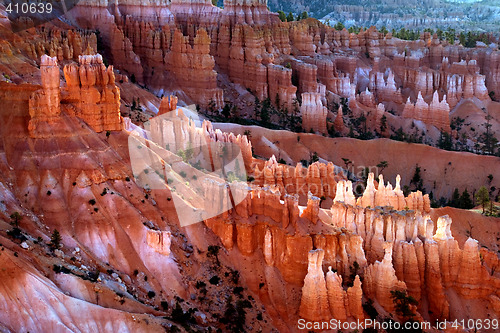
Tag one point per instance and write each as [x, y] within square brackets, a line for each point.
[256, 50]
[193, 68]
[122, 258]
[318, 179]
[304, 244]
[436, 113]
[90, 94]
[313, 113]
[24, 287]
[359, 249]
[45, 104]
[298, 260]
[75, 181]
[196, 50]
[92, 84]
[55, 42]
[389, 251]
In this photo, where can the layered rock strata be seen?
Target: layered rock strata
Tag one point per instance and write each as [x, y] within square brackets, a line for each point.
[436, 113]
[313, 113]
[193, 68]
[45, 104]
[92, 95]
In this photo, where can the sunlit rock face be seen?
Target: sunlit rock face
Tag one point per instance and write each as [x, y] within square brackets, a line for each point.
[90, 94]
[436, 113]
[193, 68]
[162, 211]
[45, 104]
[313, 113]
[93, 85]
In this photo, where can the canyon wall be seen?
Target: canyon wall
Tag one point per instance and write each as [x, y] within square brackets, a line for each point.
[90, 94]
[192, 67]
[436, 113]
[313, 113]
[45, 104]
[184, 45]
[377, 250]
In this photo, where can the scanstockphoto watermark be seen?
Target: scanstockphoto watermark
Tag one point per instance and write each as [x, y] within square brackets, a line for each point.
[334, 324]
[357, 174]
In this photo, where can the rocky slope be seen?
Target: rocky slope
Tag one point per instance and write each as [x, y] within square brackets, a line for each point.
[387, 87]
[167, 221]
[440, 174]
[394, 14]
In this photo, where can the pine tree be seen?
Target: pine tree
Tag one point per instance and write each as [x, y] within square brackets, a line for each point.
[382, 165]
[265, 111]
[347, 162]
[462, 39]
[465, 200]
[282, 15]
[403, 304]
[445, 141]
[294, 117]
[226, 111]
[290, 17]
[439, 33]
[213, 251]
[248, 134]
[15, 217]
[455, 199]
[212, 107]
[278, 101]
[55, 239]
[257, 107]
[383, 124]
[417, 179]
[488, 138]
[483, 197]
[339, 26]
[314, 158]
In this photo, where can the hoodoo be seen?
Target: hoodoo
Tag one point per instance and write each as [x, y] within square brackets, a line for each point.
[194, 165]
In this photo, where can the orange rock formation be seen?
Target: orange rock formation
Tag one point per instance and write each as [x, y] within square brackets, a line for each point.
[45, 104]
[193, 68]
[92, 93]
[313, 113]
[305, 245]
[436, 113]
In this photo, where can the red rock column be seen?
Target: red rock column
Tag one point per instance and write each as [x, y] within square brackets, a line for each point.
[314, 302]
[45, 104]
[313, 113]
